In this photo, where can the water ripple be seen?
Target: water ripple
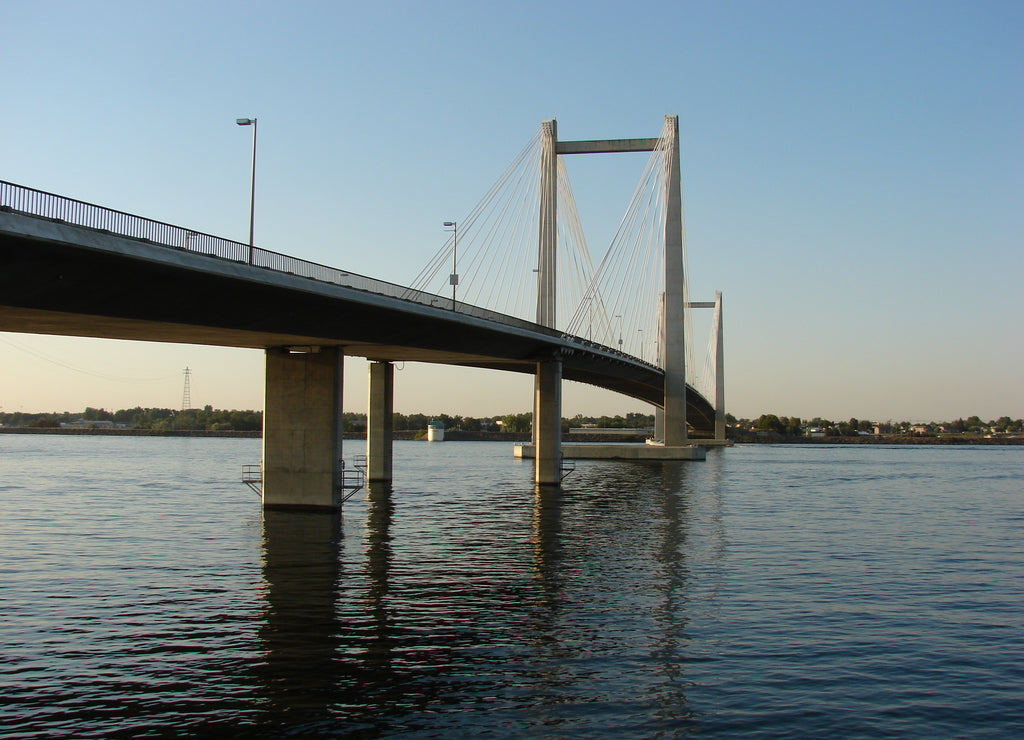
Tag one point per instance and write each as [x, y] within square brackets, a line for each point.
[770, 591]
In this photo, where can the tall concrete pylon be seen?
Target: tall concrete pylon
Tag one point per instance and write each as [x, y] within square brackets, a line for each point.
[673, 326]
[719, 370]
[547, 241]
[547, 393]
[671, 333]
[719, 346]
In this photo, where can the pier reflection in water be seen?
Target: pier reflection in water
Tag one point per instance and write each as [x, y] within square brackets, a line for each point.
[300, 634]
[429, 609]
[769, 590]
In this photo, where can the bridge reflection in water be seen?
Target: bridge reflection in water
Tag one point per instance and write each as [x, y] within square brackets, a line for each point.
[405, 620]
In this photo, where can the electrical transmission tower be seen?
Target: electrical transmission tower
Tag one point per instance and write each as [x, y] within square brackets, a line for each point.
[186, 396]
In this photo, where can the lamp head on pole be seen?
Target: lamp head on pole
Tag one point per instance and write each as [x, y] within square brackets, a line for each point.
[252, 189]
[453, 279]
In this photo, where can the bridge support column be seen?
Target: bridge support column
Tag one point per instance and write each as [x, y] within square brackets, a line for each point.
[302, 429]
[380, 423]
[547, 423]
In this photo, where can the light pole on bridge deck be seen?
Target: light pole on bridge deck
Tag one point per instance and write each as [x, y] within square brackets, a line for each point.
[619, 317]
[454, 277]
[252, 191]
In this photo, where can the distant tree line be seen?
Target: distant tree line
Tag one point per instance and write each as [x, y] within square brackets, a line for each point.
[515, 423]
[157, 420]
[210, 419]
[793, 426]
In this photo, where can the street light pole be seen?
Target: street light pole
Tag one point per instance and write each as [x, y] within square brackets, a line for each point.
[252, 191]
[454, 277]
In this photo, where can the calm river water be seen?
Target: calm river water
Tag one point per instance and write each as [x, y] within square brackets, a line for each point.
[769, 591]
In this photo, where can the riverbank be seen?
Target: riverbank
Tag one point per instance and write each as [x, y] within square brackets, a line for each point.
[451, 435]
[454, 435]
[883, 439]
[65, 431]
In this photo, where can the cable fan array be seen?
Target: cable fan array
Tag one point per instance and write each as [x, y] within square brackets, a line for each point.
[618, 305]
[497, 246]
[622, 301]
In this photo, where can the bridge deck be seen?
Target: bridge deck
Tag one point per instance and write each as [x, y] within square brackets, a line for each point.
[73, 280]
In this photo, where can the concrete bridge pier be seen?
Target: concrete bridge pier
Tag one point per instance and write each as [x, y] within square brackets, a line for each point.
[547, 423]
[380, 418]
[302, 463]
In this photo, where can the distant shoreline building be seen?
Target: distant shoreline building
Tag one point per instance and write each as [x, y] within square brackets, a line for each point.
[83, 424]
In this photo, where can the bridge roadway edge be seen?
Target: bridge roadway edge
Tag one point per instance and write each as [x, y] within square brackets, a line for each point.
[71, 280]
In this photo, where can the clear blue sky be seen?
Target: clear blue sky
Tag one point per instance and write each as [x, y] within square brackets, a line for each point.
[853, 174]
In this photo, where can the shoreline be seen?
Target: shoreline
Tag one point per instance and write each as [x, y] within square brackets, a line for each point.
[127, 432]
[610, 438]
[945, 440]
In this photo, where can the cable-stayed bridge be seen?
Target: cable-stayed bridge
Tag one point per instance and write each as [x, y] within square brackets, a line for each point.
[514, 289]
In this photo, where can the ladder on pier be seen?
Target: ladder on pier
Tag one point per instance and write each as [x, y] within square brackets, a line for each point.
[352, 479]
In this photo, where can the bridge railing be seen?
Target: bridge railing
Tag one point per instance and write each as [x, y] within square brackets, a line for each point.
[38, 203]
[32, 202]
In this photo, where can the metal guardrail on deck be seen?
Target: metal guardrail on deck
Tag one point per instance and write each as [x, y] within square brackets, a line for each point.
[31, 202]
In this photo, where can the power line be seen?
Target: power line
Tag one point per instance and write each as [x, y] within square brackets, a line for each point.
[82, 371]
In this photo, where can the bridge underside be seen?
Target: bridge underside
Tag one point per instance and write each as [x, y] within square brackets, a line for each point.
[66, 280]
